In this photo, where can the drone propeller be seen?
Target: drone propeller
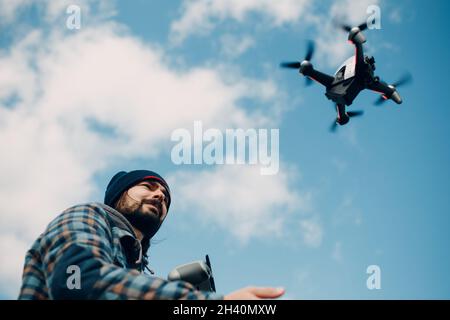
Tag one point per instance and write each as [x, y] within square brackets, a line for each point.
[405, 79]
[363, 26]
[333, 126]
[308, 57]
[310, 51]
[350, 114]
[296, 65]
[380, 100]
[290, 65]
[347, 28]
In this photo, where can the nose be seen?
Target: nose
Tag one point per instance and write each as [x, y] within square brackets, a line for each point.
[159, 195]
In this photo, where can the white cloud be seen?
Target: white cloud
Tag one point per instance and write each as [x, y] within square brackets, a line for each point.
[53, 11]
[233, 46]
[66, 86]
[200, 16]
[337, 252]
[351, 12]
[346, 213]
[332, 45]
[312, 232]
[395, 15]
[240, 200]
[9, 9]
[12, 259]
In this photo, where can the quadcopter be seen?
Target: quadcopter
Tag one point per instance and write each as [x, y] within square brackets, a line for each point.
[353, 76]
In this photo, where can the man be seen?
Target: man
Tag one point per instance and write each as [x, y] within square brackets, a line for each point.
[105, 244]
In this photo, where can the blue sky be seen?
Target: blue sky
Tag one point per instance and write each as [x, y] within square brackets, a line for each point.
[374, 193]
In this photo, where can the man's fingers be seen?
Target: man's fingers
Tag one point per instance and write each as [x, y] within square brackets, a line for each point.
[267, 292]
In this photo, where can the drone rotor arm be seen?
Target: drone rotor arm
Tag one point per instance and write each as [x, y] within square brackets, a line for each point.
[320, 77]
[386, 91]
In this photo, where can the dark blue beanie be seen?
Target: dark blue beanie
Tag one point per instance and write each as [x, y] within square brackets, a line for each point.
[123, 181]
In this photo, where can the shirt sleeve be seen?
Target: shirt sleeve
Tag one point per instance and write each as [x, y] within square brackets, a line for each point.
[77, 253]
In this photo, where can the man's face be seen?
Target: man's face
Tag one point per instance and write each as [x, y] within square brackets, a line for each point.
[152, 197]
[145, 206]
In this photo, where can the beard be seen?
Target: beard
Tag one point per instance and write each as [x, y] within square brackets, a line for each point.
[146, 220]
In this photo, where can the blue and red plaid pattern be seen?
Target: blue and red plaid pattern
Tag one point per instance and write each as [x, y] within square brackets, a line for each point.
[83, 236]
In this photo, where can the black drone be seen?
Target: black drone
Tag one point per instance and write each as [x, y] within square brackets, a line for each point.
[353, 76]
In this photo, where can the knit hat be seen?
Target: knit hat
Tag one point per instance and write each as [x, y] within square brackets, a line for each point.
[123, 181]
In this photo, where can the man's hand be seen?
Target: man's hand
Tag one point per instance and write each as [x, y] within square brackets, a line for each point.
[255, 293]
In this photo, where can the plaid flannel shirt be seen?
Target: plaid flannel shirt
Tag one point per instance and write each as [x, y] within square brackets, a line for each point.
[109, 259]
